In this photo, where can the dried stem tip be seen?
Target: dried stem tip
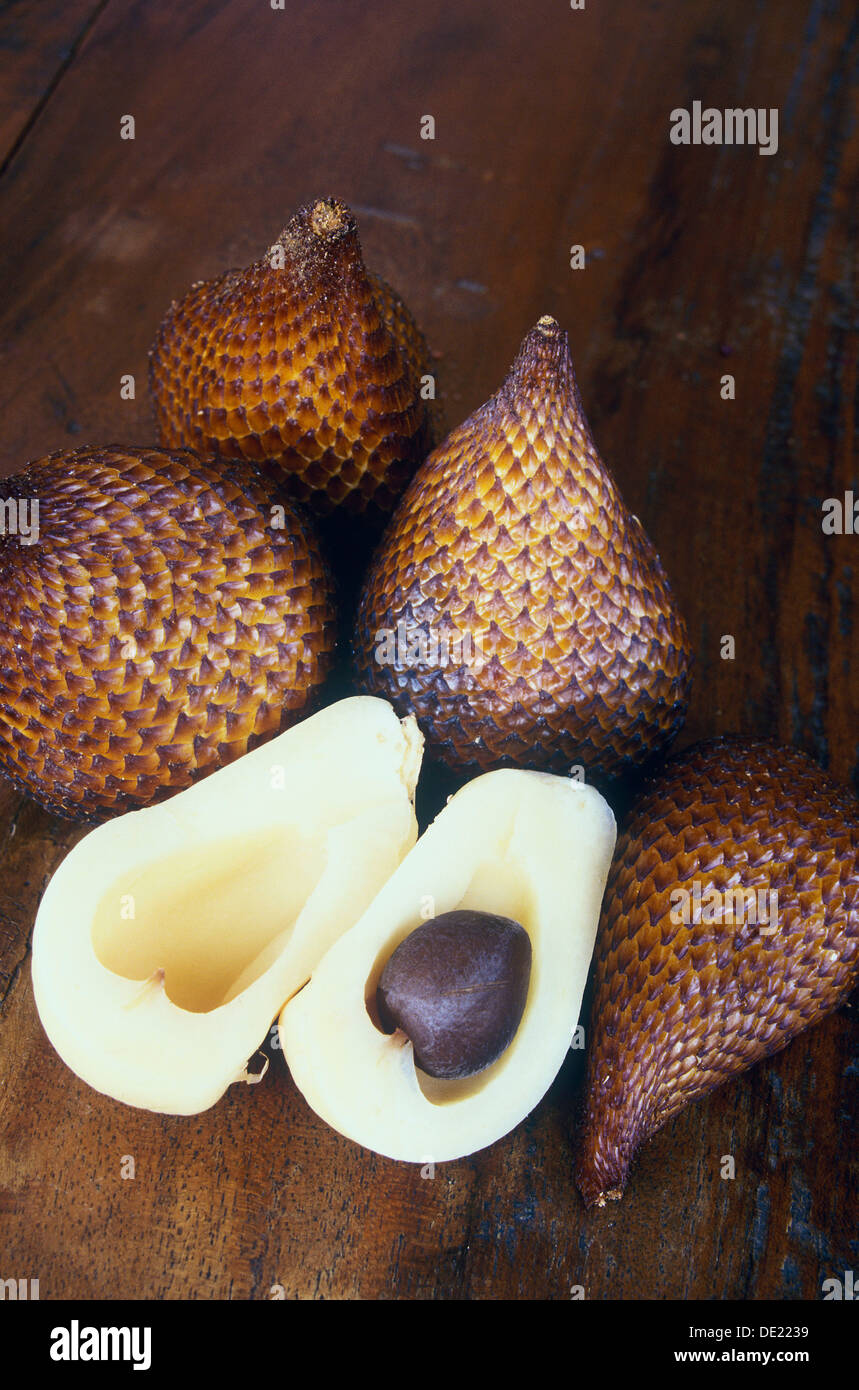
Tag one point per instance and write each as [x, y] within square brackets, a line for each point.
[330, 218]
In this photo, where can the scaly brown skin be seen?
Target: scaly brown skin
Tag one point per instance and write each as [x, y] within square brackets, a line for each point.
[677, 1008]
[304, 362]
[160, 627]
[514, 538]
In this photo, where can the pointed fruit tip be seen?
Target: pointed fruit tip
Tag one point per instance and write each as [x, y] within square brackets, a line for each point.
[319, 233]
[546, 344]
[601, 1168]
[543, 364]
[330, 218]
[599, 1199]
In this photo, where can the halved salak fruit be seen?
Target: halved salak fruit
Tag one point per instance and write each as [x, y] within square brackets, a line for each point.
[169, 938]
[528, 846]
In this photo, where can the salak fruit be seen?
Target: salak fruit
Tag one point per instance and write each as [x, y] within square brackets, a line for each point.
[515, 605]
[304, 361]
[169, 939]
[169, 616]
[526, 846]
[731, 923]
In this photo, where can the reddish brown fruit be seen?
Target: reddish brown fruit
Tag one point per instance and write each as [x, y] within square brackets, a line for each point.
[304, 361]
[679, 1007]
[545, 631]
[166, 620]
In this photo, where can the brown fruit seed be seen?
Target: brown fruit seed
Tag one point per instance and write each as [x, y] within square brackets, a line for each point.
[515, 606]
[457, 986]
[681, 1006]
[305, 361]
[166, 620]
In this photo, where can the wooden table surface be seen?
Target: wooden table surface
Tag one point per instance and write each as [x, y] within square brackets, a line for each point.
[551, 130]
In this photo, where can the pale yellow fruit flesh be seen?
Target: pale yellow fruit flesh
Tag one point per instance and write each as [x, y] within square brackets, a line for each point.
[527, 845]
[169, 938]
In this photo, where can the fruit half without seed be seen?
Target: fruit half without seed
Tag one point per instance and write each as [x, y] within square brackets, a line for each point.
[523, 845]
[169, 938]
[515, 605]
[304, 361]
[730, 924]
[456, 987]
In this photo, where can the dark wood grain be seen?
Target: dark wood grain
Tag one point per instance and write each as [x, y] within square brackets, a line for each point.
[37, 46]
[552, 129]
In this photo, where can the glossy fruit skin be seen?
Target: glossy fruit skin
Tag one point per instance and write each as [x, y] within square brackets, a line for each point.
[679, 1008]
[305, 362]
[513, 538]
[160, 627]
